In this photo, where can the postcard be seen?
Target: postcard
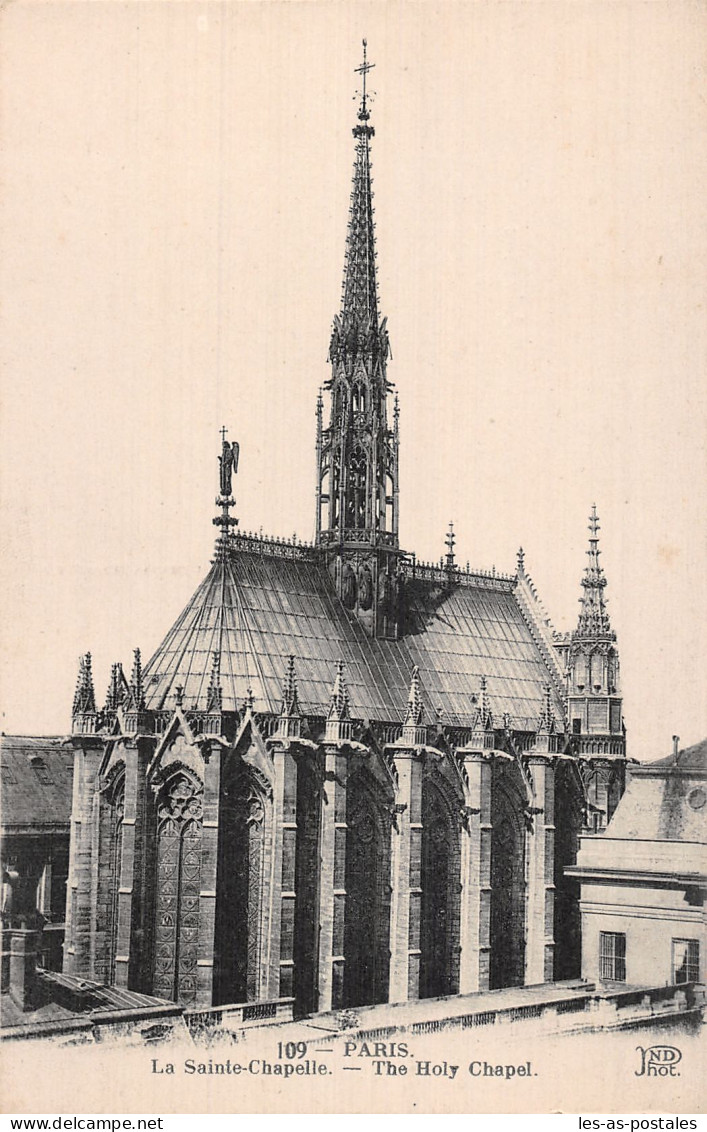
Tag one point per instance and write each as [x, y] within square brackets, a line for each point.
[353, 751]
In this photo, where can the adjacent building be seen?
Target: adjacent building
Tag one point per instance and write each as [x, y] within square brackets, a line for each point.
[644, 880]
[36, 779]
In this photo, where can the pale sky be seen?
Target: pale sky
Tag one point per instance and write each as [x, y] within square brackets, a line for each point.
[172, 225]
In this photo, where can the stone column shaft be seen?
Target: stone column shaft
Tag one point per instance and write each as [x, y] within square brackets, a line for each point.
[474, 968]
[539, 953]
[205, 973]
[79, 889]
[280, 950]
[406, 858]
[129, 957]
[332, 891]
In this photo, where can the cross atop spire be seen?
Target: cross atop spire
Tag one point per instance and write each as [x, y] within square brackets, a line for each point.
[363, 71]
[593, 616]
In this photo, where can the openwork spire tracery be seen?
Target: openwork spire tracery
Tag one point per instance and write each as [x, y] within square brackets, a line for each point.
[593, 616]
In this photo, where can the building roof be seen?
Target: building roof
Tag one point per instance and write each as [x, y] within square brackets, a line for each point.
[262, 602]
[60, 998]
[665, 800]
[36, 779]
[689, 758]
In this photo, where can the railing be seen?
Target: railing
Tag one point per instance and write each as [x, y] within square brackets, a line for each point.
[358, 535]
[255, 543]
[454, 576]
[483, 1018]
[233, 1016]
[259, 1010]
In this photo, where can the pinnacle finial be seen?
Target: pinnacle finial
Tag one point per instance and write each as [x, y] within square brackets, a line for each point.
[546, 722]
[84, 697]
[137, 692]
[520, 558]
[339, 703]
[416, 708]
[485, 707]
[117, 688]
[450, 540]
[290, 696]
[214, 694]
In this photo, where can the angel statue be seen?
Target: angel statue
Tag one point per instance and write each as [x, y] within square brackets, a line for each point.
[228, 461]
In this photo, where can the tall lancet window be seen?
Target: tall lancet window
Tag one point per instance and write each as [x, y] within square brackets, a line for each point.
[179, 826]
[240, 888]
[111, 853]
[358, 466]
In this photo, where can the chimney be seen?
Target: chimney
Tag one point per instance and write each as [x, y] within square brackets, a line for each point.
[23, 967]
[676, 741]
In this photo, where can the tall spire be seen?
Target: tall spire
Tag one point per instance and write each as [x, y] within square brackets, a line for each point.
[593, 617]
[360, 294]
[357, 493]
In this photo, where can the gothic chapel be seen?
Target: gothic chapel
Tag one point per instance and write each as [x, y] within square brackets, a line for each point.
[344, 776]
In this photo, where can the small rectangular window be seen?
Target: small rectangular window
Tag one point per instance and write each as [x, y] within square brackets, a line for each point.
[686, 961]
[576, 726]
[612, 956]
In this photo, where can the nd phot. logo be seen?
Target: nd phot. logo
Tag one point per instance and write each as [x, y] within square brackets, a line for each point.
[659, 1061]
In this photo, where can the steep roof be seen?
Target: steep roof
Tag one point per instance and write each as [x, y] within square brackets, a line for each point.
[262, 602]
[36, 780]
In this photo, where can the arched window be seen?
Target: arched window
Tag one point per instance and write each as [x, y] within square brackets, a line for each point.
[239, 889]
[357, 488]
[569, 810]
[367, 916]
[179, 826]
[508, 838]
[439, 935]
